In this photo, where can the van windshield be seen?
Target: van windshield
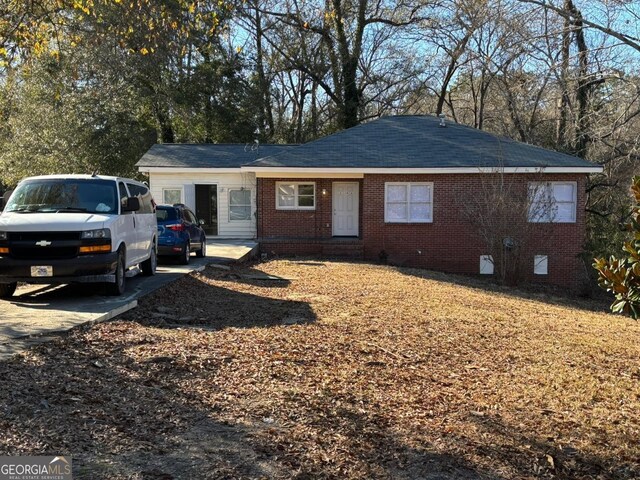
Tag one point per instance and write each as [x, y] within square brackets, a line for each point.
[64, 195]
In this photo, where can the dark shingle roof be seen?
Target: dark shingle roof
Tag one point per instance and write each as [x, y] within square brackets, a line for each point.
[206, 155]
[417, 141]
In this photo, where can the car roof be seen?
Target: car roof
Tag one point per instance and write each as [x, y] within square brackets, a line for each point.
[177, 206]
[75, 176]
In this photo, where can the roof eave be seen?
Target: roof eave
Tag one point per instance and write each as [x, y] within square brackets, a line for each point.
[432, 170]
[186, 169]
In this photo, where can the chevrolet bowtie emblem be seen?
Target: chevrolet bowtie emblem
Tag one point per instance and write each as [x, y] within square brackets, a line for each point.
[43, 243]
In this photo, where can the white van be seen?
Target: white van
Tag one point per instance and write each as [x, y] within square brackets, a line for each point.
[77, 228]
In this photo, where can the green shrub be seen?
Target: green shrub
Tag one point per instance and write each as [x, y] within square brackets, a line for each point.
[621, 276]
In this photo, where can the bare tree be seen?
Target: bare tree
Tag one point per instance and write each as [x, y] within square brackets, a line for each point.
[350, 34]
[507, 214]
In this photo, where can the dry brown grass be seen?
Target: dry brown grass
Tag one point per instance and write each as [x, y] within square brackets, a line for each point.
[386, 373]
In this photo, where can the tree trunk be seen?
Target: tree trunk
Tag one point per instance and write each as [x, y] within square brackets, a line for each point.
[564, 101]
[165, 127]
[348, 111]
[451, 69]
[584, 85]
[266, 115]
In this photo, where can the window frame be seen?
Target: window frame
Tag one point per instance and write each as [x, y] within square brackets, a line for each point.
[408, 185]
[549, 187]
[250, 204]
[164, 189]
[296, 205]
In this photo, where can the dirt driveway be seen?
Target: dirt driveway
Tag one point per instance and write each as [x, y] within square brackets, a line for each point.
[314, 369]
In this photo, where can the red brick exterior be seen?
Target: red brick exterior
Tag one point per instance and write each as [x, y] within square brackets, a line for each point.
[448, 244]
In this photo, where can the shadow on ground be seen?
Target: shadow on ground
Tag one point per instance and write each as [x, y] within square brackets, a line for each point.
[200, 303]
[87, 398]
[165, 414]
[535, 292]
[548, 457]
[539, 293]
[117, 418]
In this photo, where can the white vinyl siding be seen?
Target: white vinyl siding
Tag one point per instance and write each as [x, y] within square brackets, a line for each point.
[552, 202]
[408, 202]
[295, 196]
[225, 182]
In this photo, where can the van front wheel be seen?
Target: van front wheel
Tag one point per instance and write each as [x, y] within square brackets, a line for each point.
[7, 289]
[117, 288]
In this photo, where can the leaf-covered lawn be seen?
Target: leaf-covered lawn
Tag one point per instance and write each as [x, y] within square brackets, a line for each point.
[335, 370]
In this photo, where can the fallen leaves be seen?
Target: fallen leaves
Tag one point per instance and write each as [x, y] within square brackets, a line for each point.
[338, 371]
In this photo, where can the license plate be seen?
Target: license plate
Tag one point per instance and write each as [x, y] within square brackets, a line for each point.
[42, 271]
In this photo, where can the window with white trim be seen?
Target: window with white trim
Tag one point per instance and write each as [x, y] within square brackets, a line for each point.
[171, 196]
[295, 196]
[239, 205]
[408, 202]
[552, 202]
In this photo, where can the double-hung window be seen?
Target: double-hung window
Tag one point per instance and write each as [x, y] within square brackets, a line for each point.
[295, 196]
[552, 202]
[171, 196]
[408, 202]
[239, 205]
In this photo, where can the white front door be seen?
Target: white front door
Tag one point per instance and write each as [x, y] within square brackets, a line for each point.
[345, 209]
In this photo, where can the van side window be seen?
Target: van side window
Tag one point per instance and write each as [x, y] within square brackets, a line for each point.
[144, 196]
[123, 194]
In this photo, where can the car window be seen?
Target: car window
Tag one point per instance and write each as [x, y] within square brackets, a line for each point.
[49, 195]
[144, 196]
[192, 217]
[163, 214]
[123, 194]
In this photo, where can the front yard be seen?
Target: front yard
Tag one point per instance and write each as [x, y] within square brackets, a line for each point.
[334, 370]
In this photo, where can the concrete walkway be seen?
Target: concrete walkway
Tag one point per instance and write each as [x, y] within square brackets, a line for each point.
[36, 312]
[230, 250]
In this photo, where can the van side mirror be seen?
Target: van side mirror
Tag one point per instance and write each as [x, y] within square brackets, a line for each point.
[132, 205]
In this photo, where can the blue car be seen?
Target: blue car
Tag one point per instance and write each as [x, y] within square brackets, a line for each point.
[179, 233]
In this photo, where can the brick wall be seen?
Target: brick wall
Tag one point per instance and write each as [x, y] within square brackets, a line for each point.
[448, 244]
[297, 224]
